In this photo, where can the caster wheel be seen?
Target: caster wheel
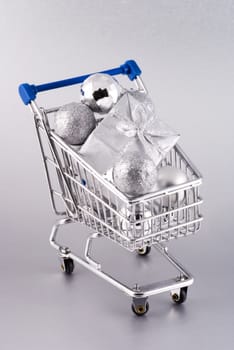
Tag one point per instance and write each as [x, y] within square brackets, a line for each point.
[67, 266]
[181, 298]
[144, 251]
[139, 309]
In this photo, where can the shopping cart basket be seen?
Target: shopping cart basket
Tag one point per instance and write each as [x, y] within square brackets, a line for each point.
[89, 198]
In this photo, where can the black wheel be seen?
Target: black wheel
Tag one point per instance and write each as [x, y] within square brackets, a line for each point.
[67, 266]
[139, 309]
[144, 251]
[181, 298]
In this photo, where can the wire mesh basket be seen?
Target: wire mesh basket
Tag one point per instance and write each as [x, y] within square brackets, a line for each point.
[91, 199]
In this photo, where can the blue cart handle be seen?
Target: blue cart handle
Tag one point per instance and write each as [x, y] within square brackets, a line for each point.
[28, 92]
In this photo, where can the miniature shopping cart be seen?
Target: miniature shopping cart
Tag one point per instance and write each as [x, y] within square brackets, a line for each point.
[87, 197]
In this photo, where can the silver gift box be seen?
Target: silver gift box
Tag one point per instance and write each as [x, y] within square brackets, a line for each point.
[131, 125]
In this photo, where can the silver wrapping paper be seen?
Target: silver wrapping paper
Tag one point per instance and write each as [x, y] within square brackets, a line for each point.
[132, 123]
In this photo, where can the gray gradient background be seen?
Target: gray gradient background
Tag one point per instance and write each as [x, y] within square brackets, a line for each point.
[186, 51]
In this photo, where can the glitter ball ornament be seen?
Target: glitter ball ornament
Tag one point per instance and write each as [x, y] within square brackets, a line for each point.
[74, 122]
[170, 176]
[100, 92]
[135, 174]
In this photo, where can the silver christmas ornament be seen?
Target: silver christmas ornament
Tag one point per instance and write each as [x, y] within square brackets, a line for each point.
[170, 176]
[74, 122]
[135, 230]
[135, 174]
[76, 148]
[100, 92]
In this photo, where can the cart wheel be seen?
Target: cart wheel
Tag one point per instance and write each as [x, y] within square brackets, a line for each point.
[181, 298]
[144, 251]
[67, 266]
[140, 309]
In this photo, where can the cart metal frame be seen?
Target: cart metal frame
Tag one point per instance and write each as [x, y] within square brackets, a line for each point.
[135, 224]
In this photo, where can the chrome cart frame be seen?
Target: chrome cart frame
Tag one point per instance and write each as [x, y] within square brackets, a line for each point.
[89, 198]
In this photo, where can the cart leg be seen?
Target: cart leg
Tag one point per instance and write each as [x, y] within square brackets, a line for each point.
[88, 262]
[88, 248]
[64, 251]
[66, 263]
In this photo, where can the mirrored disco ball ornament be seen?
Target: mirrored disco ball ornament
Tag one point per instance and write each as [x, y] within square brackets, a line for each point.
[135, 174]
[100, 92]
[74, 122]
[135, 230]
[170, 176]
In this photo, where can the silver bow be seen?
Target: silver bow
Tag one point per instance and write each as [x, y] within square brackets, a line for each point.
[137, 118]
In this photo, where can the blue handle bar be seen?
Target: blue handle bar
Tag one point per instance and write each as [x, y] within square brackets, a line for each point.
[28, 92]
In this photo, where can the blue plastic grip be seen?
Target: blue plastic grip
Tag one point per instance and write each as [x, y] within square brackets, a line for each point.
[131, 69]
[28, 92]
